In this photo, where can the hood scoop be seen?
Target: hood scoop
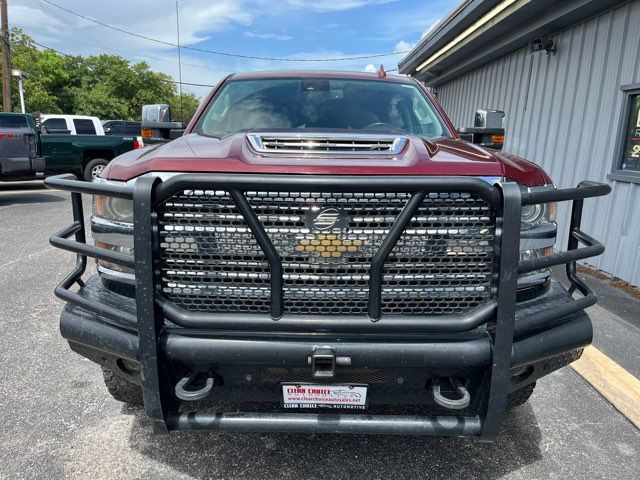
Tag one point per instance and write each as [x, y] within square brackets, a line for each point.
[327, 143]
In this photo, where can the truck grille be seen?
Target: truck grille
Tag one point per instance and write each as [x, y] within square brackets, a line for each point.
[442, 263]
[319, 143]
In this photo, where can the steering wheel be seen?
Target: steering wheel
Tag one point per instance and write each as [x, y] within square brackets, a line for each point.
[380, 126]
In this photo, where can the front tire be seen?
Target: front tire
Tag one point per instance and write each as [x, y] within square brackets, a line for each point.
[94, 168]
[520, 396]
[122, 389]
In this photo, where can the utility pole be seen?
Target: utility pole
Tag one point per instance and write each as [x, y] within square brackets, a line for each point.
[6, 61]
[179, 61]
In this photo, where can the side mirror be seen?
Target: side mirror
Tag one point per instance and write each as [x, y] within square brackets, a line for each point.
[176, 133]
[465, 134]
[107, 130]
[485, 137]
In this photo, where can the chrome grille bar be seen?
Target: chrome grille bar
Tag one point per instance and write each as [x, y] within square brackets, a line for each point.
[323, 144]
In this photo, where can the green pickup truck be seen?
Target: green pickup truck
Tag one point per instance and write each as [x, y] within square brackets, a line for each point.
[26, 152]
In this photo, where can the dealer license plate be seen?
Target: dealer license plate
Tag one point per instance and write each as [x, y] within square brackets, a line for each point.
[324, 396]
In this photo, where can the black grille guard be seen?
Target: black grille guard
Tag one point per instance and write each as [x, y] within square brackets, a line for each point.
[498, 315]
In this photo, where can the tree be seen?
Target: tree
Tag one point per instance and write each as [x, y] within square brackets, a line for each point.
[106, 86]
[190, 103]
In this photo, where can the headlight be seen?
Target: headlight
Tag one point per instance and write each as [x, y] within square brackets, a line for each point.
[538, 214]
[538, 230]
[113, 208]
[112, 229]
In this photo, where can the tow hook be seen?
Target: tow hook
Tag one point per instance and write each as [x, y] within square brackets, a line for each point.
[193, 395]
[323, 362]
[457, 404]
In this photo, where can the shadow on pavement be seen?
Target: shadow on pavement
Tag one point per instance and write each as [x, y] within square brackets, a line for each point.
[26, 185]
[22, 198]
[284, 456]
[15, 193]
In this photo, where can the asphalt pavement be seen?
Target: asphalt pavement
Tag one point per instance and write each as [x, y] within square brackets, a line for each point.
[58, 421]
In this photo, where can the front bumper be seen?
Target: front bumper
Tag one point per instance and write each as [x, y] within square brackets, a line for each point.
[259, 353]
[398, 369]
[497, 348]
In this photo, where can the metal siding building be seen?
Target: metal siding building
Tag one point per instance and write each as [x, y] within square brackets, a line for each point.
[563, 112]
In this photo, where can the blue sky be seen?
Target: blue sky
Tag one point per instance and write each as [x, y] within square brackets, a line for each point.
[278, 28]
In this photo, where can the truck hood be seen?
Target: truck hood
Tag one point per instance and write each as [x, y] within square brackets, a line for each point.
[233, 154]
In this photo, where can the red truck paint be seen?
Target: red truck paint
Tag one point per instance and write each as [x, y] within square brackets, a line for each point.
[442, 156]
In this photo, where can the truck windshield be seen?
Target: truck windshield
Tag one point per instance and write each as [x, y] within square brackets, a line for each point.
[320, 103]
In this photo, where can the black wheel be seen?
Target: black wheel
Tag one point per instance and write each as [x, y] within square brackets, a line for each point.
[93, 168]
[520, 396]
[122, 389]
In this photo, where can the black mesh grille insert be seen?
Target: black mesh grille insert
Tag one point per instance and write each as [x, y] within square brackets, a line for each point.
[442, 263]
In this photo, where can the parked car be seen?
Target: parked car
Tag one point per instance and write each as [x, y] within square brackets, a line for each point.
[20, 154]
[71, 124]
[25, 152]
[122, 127]
[316, 233]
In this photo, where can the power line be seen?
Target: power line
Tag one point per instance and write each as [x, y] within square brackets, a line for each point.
[186, 83]
[161, 79]
[146, 57]
[112, 50]
[227, 54]
[64, 20]
[104, 47]
[163, 59]
[53, 49]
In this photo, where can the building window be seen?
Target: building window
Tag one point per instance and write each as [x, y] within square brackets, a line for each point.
[626, 165]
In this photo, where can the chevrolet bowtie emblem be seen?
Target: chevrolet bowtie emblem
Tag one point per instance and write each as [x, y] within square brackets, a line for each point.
[327, 246]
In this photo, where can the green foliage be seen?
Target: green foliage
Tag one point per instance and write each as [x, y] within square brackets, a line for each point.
[107, 86]
[190, 103]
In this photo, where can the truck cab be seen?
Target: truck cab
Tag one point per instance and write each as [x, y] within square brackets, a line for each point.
[71, 124]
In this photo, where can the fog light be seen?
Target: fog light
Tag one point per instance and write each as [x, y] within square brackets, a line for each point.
[533, 254]
[115, 248]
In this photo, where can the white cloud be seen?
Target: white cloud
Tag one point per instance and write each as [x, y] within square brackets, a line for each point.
[402, 46]
[267, 36]
[199, 21]
[371, 68]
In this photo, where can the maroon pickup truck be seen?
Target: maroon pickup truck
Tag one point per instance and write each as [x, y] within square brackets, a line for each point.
[320, 252]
